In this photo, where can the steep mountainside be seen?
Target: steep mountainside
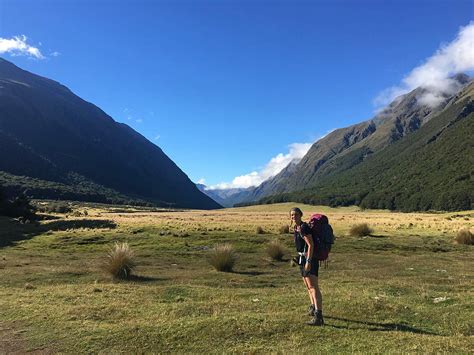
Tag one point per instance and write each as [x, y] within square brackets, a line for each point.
[345, 148]
[51, 135]
[431, 168]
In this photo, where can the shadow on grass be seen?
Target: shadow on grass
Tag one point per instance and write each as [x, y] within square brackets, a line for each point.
[278, 262]
[47, 217]
[144, 279]
[380, 327]
[12, 231]
[250, 273]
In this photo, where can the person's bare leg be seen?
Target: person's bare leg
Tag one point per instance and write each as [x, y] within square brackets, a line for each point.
[317, 297]
[312, 281]
[311, 300]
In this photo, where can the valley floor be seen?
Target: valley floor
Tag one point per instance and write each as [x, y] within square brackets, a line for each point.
[405, 288]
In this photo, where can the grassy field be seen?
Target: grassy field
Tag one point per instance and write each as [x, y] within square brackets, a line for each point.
[405, 288]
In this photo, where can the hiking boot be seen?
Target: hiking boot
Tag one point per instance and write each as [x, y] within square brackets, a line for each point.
[311, 310]
[317, 320]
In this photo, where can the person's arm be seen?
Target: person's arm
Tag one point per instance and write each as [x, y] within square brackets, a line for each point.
[309, 255]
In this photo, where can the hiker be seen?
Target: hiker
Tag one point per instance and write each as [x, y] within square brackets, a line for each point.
[309, 265]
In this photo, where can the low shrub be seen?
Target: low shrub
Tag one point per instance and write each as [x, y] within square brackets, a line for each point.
[260, 230]
[360, 230]
[464, 236]
[275, 250]
[223, 257]
[120, 261]
[284, 229]
[20, 206]
[55, 207]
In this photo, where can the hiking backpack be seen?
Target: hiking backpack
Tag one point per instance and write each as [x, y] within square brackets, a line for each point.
[323, 236]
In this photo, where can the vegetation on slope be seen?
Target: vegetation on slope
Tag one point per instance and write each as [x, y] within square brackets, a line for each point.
[430, 169]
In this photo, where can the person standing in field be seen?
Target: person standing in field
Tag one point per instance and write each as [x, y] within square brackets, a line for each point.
[309, 265]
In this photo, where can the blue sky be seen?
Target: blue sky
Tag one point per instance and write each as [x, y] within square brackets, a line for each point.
[225, 86]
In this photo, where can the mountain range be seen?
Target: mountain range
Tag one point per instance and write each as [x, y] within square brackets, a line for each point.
[56, 145]
[413, 155]
[225, 197]
[382, 162]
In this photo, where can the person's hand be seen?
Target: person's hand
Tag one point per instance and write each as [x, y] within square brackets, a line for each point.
[307, 267]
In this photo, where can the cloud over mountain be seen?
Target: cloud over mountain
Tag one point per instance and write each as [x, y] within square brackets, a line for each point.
[435, 75]
[273, 167]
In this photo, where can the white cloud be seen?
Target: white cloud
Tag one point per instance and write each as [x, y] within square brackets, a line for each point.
[55, 54]
[202, 181]
[272, 168]
[139, 120]
[435, 74]
[157, 137]
[17, 46]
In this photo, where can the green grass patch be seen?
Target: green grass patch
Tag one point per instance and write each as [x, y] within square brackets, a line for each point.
[402, 290]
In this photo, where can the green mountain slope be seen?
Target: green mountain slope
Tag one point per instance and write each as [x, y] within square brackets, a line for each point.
[431, 168]
[49, 134]
[346, 147]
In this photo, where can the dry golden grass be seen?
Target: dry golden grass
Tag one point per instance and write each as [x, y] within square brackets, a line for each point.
[382, 294]
[267, 216]
[120, 261]
[284, 229]
[464, 236]
[275, 250]
[360, 230]
[223, 257]
[260, 230]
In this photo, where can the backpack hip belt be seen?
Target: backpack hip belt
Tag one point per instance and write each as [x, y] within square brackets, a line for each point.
[301, 254]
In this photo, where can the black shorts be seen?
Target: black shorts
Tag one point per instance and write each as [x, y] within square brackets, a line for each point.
[313, 271]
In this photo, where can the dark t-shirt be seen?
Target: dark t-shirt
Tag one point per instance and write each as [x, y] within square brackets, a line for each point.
[300, 244]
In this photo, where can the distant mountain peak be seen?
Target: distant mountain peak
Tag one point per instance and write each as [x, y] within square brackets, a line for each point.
[462, 78]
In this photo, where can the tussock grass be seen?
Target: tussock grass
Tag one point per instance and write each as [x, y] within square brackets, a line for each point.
[29, 286]
[284, 229]
[464, 236]
[360, 230]
[275, 250]
[120, 261]
[223, 257]
[379, 286]
[260, 230]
